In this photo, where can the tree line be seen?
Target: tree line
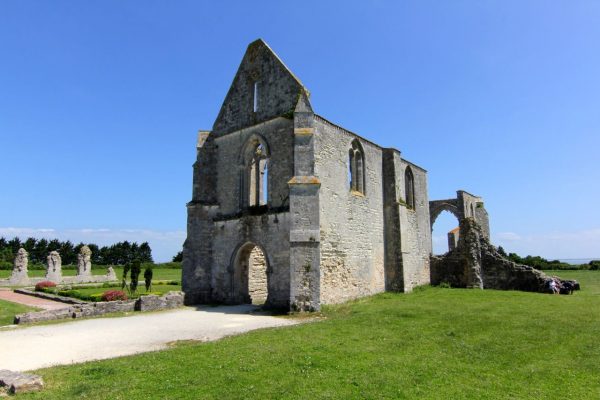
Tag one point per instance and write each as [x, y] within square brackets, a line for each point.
[116, 254]
[541, 263]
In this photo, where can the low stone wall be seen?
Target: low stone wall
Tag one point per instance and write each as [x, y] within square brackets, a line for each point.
[476, 263]
[87, 309]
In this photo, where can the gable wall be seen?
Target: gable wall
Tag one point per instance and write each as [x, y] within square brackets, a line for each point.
[278, 91]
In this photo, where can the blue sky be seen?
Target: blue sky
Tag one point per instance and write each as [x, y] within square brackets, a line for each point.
[100, 102]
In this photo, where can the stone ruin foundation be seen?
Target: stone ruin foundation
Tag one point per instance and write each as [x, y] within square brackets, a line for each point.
[476, 263]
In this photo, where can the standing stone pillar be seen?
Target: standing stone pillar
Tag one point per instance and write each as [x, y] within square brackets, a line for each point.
[84, 264]
[54, 267]
[19, 273]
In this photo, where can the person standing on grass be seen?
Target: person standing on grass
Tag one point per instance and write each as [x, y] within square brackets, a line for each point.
[554, 286]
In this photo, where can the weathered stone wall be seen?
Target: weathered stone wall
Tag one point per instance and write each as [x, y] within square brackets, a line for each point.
[279, 137]
[257, 276]
[352, 248]
[393, 200]
[271, 233]
[415, 232]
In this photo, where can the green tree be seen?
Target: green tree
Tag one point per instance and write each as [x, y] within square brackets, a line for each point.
[178, 257]
[148, 278]
[135, 275]
[501, 251]
[145, 253]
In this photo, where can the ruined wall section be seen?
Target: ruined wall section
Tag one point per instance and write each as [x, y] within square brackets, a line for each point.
[279, 136]
[204, 181]
[415, 231]
[197, 254]
[352, 240]
[476, 263]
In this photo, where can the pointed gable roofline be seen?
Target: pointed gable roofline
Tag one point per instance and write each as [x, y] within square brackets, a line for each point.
[261, 42]
[263, 88]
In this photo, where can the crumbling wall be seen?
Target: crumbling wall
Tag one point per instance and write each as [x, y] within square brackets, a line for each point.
[476, 263]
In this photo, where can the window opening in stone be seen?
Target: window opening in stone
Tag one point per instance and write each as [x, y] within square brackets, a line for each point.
[255, 178]
[255, 97]
[356, 168]
[409, 187]
[265, 185]
[351, 169]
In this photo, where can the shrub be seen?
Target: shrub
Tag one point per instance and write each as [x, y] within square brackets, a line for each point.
[135, 274]
[41, 286]
[594, 265]
[96, 297]
[148, 278]
[112, 295]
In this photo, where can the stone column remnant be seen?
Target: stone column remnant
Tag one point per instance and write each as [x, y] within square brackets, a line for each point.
[19, 273]
[110, 274]
[54, 267]
[84, 263]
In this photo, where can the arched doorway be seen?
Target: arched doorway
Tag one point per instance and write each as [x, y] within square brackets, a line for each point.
[444, 232]
[251, 275]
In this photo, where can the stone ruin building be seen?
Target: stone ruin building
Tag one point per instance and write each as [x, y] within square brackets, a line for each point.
[290, 209]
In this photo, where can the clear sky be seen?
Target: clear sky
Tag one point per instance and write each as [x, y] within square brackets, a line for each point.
[100, 102]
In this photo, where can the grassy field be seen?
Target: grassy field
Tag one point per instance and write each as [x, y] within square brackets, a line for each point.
[8, 311]
[433, 344]
[159, 273]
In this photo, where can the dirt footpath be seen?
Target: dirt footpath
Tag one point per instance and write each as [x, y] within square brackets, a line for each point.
[23, 349]
[32, 301]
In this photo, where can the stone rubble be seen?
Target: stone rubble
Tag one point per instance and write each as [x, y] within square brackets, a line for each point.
[19, 382]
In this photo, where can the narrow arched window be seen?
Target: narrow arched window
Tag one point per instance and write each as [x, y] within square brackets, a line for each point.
[254, 185]
[356, 167]
[409, 188]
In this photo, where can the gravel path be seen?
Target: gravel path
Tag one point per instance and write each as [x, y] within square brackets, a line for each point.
[35, 347]
[32, 301]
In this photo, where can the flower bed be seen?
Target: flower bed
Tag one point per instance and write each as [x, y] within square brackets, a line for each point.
[43, 285]
[112, 295]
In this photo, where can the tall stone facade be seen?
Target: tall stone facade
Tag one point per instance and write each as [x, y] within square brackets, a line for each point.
[334, 215]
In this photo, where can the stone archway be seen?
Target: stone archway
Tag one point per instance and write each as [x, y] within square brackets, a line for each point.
[437, 206]
[250, 275]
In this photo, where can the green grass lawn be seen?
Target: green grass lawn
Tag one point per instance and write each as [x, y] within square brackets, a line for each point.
[9, 309]
[431, 344]
[159, 273]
